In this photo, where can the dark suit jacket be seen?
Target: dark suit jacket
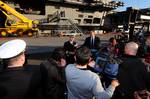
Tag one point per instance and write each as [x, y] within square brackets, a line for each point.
[88, 44]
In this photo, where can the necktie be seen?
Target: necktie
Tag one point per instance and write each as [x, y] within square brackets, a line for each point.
[92, 42]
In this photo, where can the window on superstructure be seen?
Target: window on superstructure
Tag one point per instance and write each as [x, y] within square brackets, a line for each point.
[80, 16]
[78, 21]
[96, 20]
[87, 21]
[57, 7]
[90, 16]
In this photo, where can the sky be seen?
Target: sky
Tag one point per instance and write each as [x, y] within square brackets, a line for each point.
[134, 3]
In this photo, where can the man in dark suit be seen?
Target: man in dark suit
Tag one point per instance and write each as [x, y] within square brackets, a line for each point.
[92, 42]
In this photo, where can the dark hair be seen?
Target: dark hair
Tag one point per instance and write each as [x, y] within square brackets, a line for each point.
[83, 55]
[58, 54]
[111, 39]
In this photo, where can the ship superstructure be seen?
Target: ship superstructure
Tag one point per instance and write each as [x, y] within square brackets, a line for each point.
[68, 15]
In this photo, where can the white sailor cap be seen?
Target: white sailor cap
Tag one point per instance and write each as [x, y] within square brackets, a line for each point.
[12, 48]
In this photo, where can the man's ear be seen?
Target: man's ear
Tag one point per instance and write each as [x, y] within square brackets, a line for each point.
[91, 62]
[90, 59]
[23, 57]
[62, 62]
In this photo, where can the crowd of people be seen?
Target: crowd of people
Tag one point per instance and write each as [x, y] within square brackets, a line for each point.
[74, 72]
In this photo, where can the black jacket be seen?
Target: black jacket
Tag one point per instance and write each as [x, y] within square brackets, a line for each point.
[49, 82]
[14, 82]
[132, 76]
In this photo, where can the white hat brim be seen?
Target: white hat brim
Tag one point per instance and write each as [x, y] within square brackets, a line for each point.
[12, 48]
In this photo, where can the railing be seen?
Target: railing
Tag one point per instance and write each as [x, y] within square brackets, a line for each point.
[64, 24]
[55, 16]
[74, 26]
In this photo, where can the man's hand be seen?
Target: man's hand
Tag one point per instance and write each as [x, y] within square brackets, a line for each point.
[115, 83]
[91, 63]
